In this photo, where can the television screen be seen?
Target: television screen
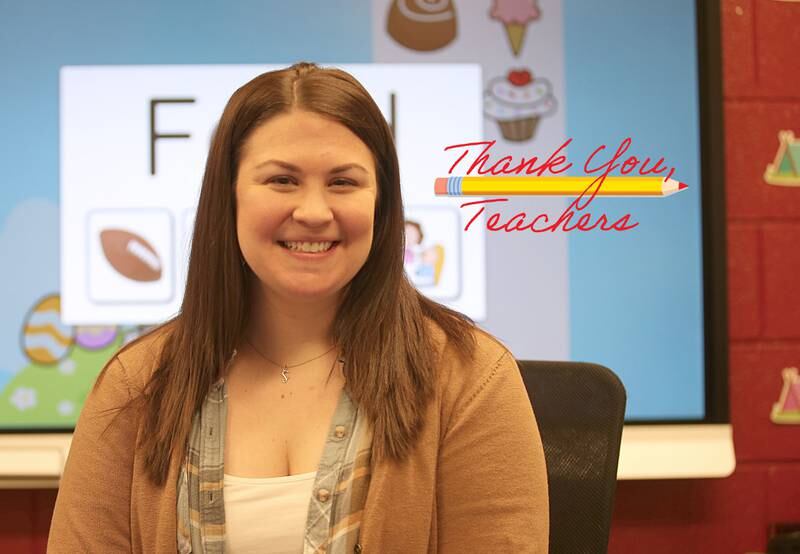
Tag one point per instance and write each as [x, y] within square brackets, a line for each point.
[107, 132]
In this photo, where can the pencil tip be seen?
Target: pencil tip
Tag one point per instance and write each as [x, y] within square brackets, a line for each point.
[682, 186]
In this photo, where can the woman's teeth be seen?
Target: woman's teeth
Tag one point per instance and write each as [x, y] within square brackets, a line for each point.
[307, 246]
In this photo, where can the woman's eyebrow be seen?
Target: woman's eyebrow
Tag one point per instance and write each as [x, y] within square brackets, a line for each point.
[345, 167]
[292, 167]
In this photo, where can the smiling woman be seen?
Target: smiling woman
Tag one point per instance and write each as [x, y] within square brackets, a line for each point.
[305, 181]
[307, 398]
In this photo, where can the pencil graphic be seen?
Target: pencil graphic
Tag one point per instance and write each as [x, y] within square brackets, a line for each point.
[556, 186]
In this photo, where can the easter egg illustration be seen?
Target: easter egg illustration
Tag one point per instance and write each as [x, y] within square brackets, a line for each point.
[131, 255]
[95, 337]
[45, 338]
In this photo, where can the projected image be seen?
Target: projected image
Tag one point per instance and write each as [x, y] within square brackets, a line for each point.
[129, 264]
[422, 25]
[59, 365]
[130, 256]
[517, 102]
[101, 218]
[552, 294]
[432, 257]
[516, 16]
[423, 264]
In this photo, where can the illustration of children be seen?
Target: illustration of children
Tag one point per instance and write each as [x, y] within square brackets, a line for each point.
[422, 264]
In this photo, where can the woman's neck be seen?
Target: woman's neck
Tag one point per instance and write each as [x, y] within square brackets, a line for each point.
[289, 331]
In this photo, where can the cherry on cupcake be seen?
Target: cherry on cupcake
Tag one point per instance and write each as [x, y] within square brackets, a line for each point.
[520, 77]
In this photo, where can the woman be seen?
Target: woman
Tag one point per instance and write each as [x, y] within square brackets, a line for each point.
[307, 398]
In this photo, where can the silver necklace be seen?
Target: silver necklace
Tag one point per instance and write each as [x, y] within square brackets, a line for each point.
[286, 367]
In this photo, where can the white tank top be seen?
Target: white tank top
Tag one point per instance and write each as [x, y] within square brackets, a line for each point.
[266, 514]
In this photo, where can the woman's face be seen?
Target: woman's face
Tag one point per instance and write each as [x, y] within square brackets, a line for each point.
[303, 180]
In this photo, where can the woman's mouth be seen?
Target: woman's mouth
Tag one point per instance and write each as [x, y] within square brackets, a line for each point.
[309, 248]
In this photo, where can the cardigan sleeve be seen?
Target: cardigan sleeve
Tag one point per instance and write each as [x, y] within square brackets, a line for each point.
[492, 491]
[92, 510]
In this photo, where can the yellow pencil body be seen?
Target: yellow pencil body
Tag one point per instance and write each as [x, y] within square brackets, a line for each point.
[555, 186]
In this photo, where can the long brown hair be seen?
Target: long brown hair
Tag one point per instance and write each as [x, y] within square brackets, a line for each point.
[390, 359]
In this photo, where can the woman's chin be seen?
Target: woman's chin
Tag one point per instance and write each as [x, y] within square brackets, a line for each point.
[308, 294]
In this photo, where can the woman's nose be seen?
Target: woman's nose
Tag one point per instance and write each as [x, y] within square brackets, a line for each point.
[313, 207]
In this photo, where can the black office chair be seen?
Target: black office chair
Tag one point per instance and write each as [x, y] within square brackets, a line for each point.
[580, 409]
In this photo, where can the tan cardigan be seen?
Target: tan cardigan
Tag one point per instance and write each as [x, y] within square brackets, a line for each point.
[475, 482]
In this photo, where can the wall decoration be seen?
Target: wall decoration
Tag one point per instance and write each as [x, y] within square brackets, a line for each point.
[787, 409]
[785, 169]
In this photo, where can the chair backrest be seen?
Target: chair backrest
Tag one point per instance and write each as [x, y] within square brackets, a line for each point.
[580, 409]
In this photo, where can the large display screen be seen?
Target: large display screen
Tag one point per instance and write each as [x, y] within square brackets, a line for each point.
[107, 131]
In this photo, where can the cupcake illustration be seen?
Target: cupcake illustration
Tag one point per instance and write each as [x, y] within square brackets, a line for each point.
[515, 15]
[422, 24]
[517, 102]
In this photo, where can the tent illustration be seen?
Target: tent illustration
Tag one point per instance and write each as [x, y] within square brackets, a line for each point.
[787, 409]
[785, 169]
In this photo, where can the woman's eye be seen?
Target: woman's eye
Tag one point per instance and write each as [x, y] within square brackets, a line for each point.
[285, 180]
[281, 180]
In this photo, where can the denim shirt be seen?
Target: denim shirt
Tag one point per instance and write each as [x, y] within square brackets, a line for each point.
[338, 496]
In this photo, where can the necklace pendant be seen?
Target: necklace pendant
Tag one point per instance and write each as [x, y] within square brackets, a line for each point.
[285, 374]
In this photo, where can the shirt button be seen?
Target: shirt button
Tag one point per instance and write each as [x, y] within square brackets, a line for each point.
[323, 495]
[357, 549]
[340, 431]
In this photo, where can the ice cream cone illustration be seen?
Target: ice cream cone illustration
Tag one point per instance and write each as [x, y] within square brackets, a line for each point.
[515, 15]
[422, 25]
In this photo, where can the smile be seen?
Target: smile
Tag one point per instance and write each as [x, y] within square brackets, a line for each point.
[309, 247]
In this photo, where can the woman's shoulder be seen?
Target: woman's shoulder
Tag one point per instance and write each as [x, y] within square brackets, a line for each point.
[138, 358]
[455, 371]
[478, 386]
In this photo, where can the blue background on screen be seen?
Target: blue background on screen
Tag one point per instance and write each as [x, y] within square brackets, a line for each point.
[629, 308]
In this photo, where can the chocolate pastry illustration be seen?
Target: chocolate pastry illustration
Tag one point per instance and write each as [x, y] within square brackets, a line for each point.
[422, 25]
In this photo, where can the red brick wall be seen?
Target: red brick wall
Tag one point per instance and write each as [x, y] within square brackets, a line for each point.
[761, 47]
[761, 65]
[25, 520]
